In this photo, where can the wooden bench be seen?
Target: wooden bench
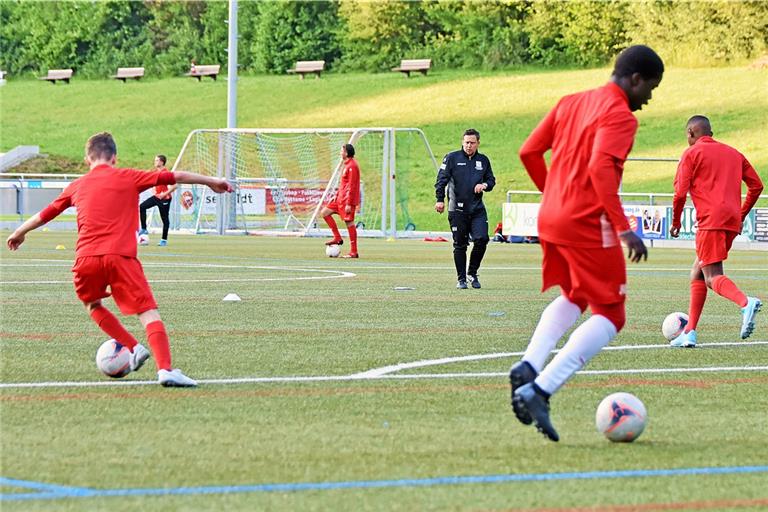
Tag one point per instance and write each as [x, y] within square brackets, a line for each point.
[126, 73]
[200, 71]
[408, 65]
[302, 67]
[58, 74]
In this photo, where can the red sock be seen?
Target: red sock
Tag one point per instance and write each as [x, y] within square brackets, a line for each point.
[333, 226]
[352, 239]
[728, 289]
[698, 297]
[158, 341]
[112, 327]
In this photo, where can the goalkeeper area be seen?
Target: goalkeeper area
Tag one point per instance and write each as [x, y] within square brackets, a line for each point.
[282, 178]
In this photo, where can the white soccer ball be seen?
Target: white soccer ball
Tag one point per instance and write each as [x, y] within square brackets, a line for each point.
[113, 359]
[332, 251]
[673, 325]
[621, 417]
[143, 240]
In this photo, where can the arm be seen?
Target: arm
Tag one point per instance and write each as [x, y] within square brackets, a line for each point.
[443, 177]
[44, 216]
[353, 194]
[489, 180]
[215, 184]
[682, 185]
[533, 149]
[168, 193]
[754, 187]
[17, 237]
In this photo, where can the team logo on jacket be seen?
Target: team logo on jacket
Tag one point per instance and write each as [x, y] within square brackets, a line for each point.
[478, 165]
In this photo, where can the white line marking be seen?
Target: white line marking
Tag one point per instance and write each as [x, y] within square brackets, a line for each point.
[347, 378]
[385, 370]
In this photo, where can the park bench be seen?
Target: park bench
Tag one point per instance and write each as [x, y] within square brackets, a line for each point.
[200, 71]
[302, 67]
[126, 73]
[58, 74]
[408, 65]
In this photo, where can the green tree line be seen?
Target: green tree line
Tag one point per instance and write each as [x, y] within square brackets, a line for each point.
[96, 37]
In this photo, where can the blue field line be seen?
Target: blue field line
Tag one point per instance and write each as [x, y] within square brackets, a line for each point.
[60, 492]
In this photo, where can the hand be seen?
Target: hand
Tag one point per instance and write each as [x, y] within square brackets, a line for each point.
[348, 209]
[220, 185]
[439, 207]
[480, 187]
[674, 231]
[634, 243]
[15, 240]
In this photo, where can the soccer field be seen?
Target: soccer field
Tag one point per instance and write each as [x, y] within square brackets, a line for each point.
[328, 388]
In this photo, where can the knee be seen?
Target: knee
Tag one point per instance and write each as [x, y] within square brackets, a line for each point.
[92, 306]
[481, 242]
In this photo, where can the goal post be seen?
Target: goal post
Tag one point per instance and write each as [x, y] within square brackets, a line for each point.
[282, 177]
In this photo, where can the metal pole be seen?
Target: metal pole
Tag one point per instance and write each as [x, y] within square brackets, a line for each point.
[392, 185]
[384, 180]
[232, 67]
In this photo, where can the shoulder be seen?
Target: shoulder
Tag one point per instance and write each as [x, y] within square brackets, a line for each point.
[450, 157]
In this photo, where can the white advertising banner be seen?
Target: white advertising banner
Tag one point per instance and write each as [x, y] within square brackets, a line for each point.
[520, 219]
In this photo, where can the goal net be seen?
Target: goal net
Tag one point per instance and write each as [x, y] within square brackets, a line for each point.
[282, 177]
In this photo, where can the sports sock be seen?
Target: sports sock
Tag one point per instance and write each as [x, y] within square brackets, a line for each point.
[159, 343]
[557, 318]
[698, 297]
[332, 224]
[584, 344]
[112, 327]
[728, 289]
[352, 238]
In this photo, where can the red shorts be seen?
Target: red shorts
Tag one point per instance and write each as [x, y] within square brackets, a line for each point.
[340, 209]
[712, 246]
[123, 275]
[592, 276]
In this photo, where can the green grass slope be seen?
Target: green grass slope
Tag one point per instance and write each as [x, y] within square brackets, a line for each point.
[155, 116]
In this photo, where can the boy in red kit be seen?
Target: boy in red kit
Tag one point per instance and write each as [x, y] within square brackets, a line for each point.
[581, 221]
[345, 202]
[107, 208]
[712, 172]
[161, 199]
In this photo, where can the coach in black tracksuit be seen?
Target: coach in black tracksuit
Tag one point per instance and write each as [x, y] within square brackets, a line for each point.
[466, 174]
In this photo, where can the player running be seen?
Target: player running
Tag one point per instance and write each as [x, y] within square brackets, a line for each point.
[581, 221]
[712, 172]
[107, 201]
[345, 202]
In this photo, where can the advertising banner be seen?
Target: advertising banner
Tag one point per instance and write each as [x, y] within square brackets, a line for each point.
[520, 219]
[649, 222]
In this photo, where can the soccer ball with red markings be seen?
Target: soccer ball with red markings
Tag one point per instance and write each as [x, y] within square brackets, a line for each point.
[142, 239]
[113, 359]
[621, 417]
[673, 325]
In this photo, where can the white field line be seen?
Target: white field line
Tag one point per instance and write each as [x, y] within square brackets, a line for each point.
[386, 370]
[347, 378]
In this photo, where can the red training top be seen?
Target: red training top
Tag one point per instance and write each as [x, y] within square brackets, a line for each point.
[590, 135]
[713, 172]
[107, 201]
[162, 188]
[349, 184]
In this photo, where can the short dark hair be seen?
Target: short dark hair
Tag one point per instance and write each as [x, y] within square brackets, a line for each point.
[702, 121]
[639, 59]
[162, 158]
[350, 149]
[101, 146]
[472, 131]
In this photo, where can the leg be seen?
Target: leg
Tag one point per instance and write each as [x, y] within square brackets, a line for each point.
[145, 205]
[165, 207]
[110, 324]
[478, 226]
[326, 213]
[157, 337]
[698, 296]
[460, 230]
[352, 230]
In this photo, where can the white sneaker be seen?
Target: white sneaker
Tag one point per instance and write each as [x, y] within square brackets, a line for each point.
[685, 340]
[139, 357]
[175, 379]
[748, 314]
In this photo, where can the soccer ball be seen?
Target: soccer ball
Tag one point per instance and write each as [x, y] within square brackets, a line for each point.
[143, 240]
[332, 251]
[113, 359]
[621, 417]
[673, 325]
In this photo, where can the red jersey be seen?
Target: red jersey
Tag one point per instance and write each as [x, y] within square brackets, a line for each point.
[162, 188]
[590, 135]
[107, 202]
[349, 184]
[712, 172]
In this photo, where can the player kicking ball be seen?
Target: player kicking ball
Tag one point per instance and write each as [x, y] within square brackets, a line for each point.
[581, 221]
[712, 172]
[107, 201]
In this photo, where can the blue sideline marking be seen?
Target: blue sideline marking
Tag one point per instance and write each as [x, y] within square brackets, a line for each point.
[59, 492]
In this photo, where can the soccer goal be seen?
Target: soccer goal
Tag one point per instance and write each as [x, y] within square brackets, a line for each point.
[282, 177]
